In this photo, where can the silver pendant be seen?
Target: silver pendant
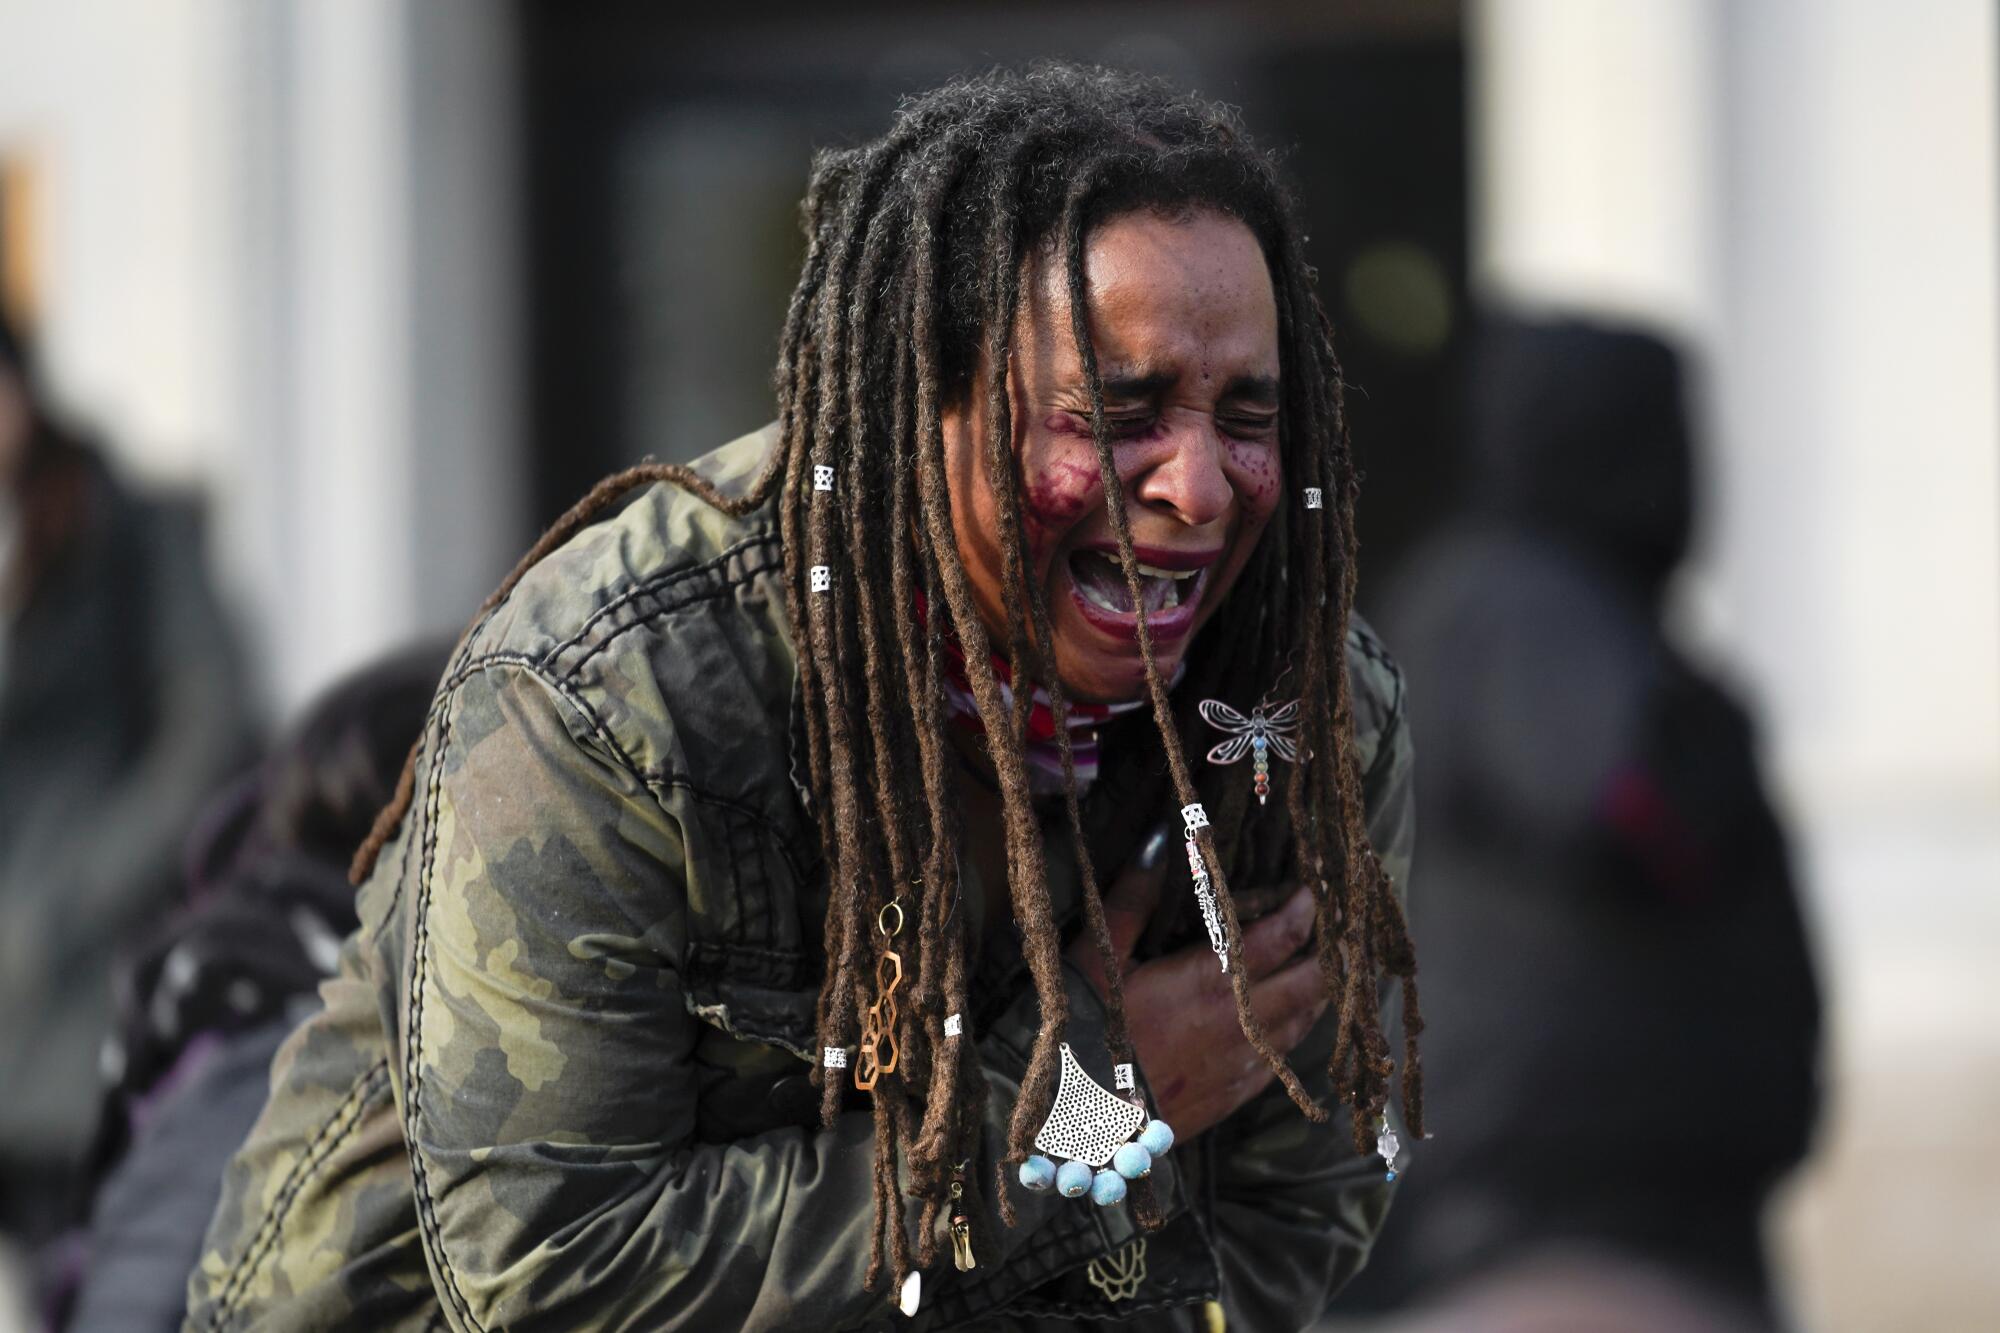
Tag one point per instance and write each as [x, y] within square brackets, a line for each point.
[1204, 896]
[1089, 1127]
[1265, 731]
[1087, 1123]
[1204, 887]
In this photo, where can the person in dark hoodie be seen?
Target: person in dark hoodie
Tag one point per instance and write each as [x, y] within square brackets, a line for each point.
[1623, 1012]
[203, 1006]
[123, 702]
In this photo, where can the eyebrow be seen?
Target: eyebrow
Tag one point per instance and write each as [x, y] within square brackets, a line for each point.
[1259, 389]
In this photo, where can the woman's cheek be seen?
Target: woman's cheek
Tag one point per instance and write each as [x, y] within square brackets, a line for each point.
[1058, 491]
[1259, 479]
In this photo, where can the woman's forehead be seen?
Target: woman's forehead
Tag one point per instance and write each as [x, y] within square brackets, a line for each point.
[1167, 296]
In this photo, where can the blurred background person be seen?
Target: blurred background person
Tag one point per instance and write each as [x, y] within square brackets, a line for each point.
[205, 1003]
[1624, 1018]
[122, 702]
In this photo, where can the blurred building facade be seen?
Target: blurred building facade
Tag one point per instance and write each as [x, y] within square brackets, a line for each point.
[269, 250]
[393, 279]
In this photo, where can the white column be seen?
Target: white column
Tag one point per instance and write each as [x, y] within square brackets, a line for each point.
[1593, 161]
[350, 495]
[382, 413]
[1857, 557]
[469, 405]
[1857, 546]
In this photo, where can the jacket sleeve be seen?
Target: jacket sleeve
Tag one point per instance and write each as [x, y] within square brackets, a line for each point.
[547, 1090]
[1296, 1210]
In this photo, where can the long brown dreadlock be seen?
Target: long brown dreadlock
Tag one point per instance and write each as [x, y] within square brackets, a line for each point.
[906, 303]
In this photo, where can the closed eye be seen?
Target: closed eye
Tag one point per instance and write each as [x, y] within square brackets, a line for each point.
[1250, 426]
[1126, 425]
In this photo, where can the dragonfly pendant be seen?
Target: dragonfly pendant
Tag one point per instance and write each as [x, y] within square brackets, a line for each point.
[1265, 731]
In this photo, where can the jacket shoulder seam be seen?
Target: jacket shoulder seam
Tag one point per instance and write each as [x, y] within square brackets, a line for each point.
[466, 650]
[654, 584]
[533, 666]
[711, 593]
[427, 1223]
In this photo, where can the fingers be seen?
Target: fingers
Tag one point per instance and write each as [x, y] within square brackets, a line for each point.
[1288, 1003]
[1135, 895]
[1270, 943]
[1256, 904]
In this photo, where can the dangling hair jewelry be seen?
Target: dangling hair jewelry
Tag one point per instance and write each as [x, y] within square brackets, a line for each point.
[1204, 889]
[1265, 730]
[879, 1051]
[1387, 1144]
[1093, 1127]
[961, 1223]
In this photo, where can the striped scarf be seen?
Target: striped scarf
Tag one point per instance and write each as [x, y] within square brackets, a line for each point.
[1044, 752]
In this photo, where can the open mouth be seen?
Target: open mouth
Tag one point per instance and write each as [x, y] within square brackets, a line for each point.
[1170, 589]
[1101, 582]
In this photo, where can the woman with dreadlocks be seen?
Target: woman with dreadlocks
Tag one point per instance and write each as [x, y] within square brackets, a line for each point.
[773, 928]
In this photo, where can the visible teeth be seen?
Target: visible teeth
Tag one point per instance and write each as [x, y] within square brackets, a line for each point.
[1096, 598]
[1102, 585]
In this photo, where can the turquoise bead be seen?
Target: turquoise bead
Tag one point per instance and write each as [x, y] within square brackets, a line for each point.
[1107, 1188]
[1038, 1172]
[1156, 1137]
[1132, 1161]
[1073, 1180]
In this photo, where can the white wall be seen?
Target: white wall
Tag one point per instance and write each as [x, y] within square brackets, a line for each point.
[1592, 151]
[121, 104]
[1862, 374]
[1806, 190]
[280, 266]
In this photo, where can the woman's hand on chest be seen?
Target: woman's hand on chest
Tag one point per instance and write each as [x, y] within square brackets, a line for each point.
[1182, 1012]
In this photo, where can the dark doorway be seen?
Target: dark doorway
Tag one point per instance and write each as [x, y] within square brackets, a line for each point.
[666, 157]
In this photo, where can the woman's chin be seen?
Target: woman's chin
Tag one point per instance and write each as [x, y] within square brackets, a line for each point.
[1098, 648]
[1097, 671]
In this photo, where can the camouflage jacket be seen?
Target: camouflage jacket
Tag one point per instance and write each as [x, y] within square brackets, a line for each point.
[559, 1078]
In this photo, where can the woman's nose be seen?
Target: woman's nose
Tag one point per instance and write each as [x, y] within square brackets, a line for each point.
[1188, 479]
